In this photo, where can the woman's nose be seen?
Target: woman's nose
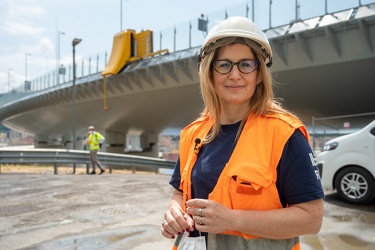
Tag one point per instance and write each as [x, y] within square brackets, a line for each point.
[234, 73]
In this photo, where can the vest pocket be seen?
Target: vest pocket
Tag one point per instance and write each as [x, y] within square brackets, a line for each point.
[251, 186]
[242, 186]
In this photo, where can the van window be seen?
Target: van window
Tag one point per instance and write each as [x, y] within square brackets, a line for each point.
[372, 131]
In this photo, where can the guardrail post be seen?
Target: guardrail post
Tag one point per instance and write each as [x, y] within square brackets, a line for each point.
[74, 168]
[55, 168]
[110, 169]
[87, 168]
[133, 169]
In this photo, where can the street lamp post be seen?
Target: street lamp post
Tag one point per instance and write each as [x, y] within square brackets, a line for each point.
[75, 42]
[26, 54]
[298, 7]
[326, 6]
[252, 11]
[121, 14]
[9, 69]
[58, 57]
[270, 15]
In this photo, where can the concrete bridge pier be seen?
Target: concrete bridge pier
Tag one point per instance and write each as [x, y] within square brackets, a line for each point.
[41, 141]
[141, 143]
[135, 142]
[58, 141]
[114, 142]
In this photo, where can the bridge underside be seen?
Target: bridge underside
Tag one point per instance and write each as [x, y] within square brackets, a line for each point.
[329, 90]
[328, 71]
[320, 91]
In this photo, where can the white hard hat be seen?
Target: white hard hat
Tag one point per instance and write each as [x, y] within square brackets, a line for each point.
[233, 28]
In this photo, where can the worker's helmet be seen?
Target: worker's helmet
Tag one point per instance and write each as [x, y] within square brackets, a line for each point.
[231, 29]
[91, 128]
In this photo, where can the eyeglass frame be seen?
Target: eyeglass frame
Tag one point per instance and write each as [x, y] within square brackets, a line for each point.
[237, 64]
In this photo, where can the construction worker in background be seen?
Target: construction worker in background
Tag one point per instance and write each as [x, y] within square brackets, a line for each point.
[95, 141]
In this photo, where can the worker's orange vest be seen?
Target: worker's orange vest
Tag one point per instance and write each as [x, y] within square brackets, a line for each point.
[248, 181]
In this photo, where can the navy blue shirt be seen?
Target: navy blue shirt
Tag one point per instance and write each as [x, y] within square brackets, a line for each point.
[298, 178]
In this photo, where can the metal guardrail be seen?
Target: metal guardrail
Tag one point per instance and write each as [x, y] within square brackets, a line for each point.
[62, 156]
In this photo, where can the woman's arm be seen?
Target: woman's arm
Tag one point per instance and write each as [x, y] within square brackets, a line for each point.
[295, 220]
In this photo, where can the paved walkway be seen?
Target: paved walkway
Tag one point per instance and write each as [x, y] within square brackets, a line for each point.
[124, 211]
[111, 211]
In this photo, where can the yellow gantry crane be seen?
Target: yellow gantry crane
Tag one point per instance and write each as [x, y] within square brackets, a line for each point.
[128, 46]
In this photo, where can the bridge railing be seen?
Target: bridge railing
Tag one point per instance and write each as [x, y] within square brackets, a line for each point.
[58, 157]
[188, 35]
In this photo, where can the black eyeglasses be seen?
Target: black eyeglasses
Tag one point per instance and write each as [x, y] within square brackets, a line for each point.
[245, 66]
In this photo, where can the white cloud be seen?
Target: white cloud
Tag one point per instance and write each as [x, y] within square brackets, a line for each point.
[21, 29]
[27, 9]
[45, 44]
[18, 18]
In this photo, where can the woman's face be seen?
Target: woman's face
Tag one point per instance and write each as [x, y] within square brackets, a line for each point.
[235, 88]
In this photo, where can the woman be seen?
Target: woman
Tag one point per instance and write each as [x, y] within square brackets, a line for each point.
[246, 177]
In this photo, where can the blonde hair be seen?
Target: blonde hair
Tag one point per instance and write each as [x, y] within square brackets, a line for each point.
[262, 102]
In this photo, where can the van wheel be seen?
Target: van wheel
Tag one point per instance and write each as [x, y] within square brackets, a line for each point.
[355, 185]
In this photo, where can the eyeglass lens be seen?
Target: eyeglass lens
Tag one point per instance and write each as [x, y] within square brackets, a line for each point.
[245, 66]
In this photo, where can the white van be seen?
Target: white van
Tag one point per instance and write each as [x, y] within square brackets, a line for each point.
[347, 164]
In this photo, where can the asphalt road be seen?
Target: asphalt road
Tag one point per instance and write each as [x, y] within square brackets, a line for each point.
[124, 211]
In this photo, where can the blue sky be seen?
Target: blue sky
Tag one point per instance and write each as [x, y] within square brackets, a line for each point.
[31, 26]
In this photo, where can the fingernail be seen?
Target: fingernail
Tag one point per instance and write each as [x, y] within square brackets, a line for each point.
[187, 230]
[173, 236]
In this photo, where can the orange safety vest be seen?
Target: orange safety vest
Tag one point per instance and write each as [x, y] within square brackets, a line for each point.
[248, 181]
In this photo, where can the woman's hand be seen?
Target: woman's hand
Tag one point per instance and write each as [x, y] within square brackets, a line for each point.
[176, 221]
[209, 216]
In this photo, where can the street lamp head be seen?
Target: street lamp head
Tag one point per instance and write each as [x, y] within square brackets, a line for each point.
[76, 41]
